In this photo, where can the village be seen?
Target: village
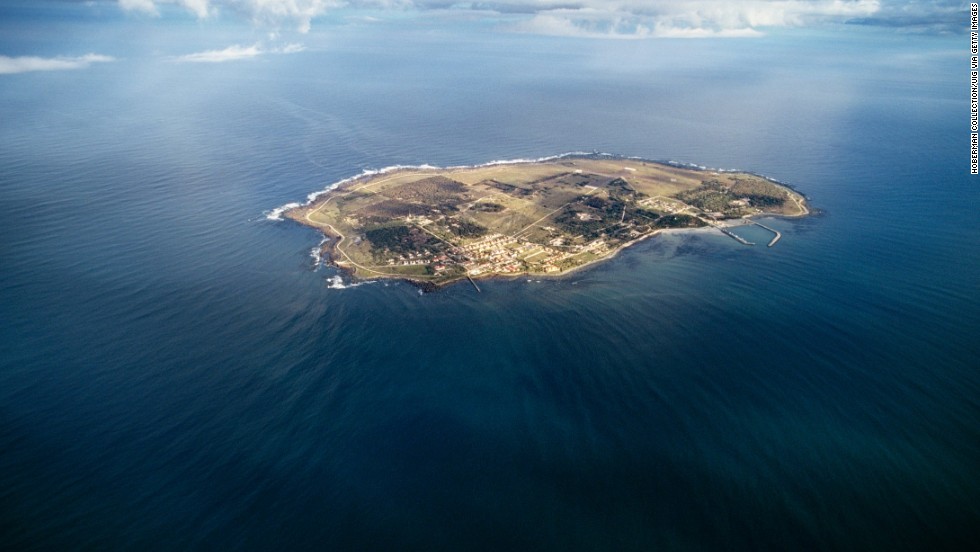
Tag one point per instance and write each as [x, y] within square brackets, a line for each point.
[499, 254]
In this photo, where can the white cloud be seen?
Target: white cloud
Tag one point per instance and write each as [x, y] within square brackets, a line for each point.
[597, 18]
[298, 13]
[291, 49]
[24, 64]
[145, 6]
[230, 53]
[200, 8]
[238, 52]
[686, 18]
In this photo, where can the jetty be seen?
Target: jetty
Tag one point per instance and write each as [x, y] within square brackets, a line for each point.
[776, 234]
[731, 235]
[474, 283]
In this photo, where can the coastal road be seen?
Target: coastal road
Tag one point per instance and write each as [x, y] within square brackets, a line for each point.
[340, 237]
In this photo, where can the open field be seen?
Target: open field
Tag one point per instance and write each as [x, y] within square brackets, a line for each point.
[440, 225]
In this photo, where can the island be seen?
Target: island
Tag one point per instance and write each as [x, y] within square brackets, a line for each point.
[434, 226]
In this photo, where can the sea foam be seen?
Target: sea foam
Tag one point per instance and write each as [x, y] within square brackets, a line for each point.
[316, 253]
[276, 214]
[336, 282]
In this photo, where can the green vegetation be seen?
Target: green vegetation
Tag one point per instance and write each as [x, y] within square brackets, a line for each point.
[645, 213]
[510, 189]
[486, 207]
[401, 240]
[710, 196]
[759, 191]
[740, 197]
[466, 229]
[590, 217]
[679, 221]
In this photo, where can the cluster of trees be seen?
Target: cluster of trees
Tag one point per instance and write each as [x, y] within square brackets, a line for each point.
[600, 214]
[400, 239]
[509, 189]
[394, 208]
[710, 196]
[643, 213]
[760, 192]
[620, 190]
[765, 200]
[713, 196]
[466, 229]
[678, 221]
[487, 207]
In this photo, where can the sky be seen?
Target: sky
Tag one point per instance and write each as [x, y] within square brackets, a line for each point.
[279, 27]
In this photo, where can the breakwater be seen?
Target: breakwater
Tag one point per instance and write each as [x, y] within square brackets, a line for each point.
[732, 235]
[776, 234]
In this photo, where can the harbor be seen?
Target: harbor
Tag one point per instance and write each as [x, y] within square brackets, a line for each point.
[724, 230]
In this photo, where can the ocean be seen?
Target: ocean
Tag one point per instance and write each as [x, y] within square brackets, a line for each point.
[178, 372]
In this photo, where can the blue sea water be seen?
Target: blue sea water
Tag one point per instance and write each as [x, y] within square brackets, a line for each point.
[177, 373]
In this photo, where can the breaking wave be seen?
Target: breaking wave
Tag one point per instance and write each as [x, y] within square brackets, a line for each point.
[336, 282]
[683, 165]
[276, 214]
[316, 253]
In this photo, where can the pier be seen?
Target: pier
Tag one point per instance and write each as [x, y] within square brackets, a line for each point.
[474, 283]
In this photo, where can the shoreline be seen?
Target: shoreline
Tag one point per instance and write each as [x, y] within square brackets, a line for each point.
[427, 286]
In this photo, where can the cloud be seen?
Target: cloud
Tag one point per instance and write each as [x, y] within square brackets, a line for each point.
[600, 18]
[200, 8]
[237, 52]
[290, 49]
[689, 18]
[918, 16]
[24, 64]
[298, 13]
[231, 53]
[145, 6]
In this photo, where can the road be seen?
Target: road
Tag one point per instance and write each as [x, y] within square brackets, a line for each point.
[340, 237]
